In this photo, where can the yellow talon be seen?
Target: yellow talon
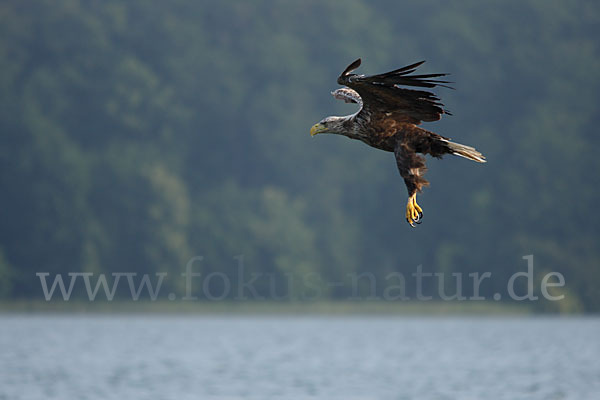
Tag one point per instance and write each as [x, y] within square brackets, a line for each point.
[414, 213]
[419, 209]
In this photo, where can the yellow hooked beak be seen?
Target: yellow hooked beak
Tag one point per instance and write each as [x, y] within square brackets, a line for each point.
[317, 128]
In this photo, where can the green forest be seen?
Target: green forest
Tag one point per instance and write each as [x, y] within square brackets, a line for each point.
[136, 135]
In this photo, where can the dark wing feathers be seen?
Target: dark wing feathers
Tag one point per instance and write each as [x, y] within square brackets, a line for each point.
[406, 70]
[381, 93]
[351, 67]
[399, 77]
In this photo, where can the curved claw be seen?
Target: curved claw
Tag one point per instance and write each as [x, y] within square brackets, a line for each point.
[414, 213]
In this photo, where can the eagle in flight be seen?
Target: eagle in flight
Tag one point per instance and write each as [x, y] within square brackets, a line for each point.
[389, 118]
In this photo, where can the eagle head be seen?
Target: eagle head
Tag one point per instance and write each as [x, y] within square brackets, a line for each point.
[333, 125]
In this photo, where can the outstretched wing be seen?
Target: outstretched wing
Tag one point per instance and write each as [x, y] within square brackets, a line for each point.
[382, 94]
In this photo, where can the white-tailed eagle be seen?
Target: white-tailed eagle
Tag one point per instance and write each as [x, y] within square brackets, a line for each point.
[388, 120]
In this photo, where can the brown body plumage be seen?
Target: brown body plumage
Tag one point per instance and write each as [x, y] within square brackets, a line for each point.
[388, 120]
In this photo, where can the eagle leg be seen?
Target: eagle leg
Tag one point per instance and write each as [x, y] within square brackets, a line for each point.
[412, 168]
[414, 213]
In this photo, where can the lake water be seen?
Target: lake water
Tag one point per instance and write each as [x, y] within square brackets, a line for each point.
[298, 357]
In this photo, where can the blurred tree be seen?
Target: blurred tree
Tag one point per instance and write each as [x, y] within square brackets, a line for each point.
[136, 135]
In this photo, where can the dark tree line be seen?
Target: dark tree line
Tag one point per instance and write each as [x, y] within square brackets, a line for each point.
[135, 135]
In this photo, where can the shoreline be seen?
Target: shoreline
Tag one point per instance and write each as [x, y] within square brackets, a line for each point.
[272, 307]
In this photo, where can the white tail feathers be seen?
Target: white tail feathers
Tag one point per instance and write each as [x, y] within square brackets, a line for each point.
[466, 152]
